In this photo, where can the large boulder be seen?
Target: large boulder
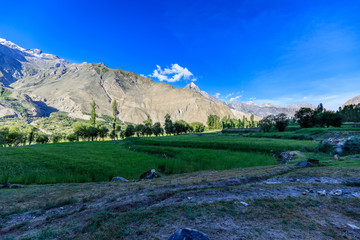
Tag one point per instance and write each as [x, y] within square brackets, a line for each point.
[149, 174]
[188, 234]
[303, 164]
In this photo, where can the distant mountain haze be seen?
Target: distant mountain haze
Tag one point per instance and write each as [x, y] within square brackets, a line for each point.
[353, 101]
[35, 84]
[251, 107]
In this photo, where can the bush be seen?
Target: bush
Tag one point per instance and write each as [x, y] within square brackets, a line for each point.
[72, 137]
[56, 137]
[351, 146]
[325, 147]
[42, 138]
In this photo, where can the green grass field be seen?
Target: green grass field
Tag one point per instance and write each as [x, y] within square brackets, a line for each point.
[226, 142]
[100, 161]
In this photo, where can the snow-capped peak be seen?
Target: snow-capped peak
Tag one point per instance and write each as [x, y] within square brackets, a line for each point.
[10, 44]
[192, 86]
[29, 52]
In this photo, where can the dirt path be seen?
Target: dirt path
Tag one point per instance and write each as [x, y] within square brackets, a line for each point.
[219, 188]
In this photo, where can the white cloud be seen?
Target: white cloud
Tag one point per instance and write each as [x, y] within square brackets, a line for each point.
[229, 95]
[142, 75]
[235, 98]
[217, 95]
[173, 74]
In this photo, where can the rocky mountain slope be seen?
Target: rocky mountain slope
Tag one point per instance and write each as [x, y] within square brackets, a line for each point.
[35, 83]
[251, 107]
[353, 101]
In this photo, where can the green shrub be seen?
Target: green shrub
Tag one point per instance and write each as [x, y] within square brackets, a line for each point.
[325, 147]
[71, 137]
[351, 146]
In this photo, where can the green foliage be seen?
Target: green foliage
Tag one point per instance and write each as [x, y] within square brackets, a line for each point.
[305, 117]
[157, 129]
[351, 146]
[100, 161]
[103, 132]
[93, 114]
[81, 130]
[197, 127]
[42, 138]
[319, 117]
[148, 122]
[351, 113]
[234, 143]
[56, 137]
[266, 123]
[72, 137]
[213, 122]
[130, 131]
[139, 130]
[180, 126]
[325, 147]
[115, 112]
[169, 127]
[281, 121]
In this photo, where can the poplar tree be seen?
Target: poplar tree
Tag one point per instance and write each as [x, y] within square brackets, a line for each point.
[93, 114]
[114, 106]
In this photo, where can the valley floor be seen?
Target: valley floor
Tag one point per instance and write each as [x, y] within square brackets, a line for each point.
[210, 201]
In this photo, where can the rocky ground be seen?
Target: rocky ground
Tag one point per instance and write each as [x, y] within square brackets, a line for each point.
[257, 203]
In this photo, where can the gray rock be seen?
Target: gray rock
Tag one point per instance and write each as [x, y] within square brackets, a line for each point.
[336, 192]
[353, 226]
[119, 179]
[336, 157]
[188, 234]
[149, 174]
[303, 164]
[322, 192]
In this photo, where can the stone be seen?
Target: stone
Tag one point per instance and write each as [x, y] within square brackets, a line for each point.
[149, 174]
[356, 194]
[303, 193]
[189, 234]
[119, 179]
[353, 226]
[244, 203]
[303, 164]
[9, 185]
[313, 161]
[322, 192]
[337, 192]
[337, 157]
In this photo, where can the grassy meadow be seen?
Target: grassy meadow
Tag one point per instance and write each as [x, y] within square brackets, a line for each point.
[102, 160]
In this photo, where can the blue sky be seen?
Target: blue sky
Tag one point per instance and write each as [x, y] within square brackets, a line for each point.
[282, 52]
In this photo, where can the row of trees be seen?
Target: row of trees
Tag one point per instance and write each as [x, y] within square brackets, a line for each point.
[306, 118]
[13, 136]
[280, 122]
[350, 113]
[319, 117]
[214, 122]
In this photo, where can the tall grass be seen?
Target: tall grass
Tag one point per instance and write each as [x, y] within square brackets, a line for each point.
[233, 143]
[100, 161]
[179, 160]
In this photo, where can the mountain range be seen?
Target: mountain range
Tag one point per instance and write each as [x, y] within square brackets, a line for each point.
[353, 101]
[36, 83]
[251, 107]
[33, 83]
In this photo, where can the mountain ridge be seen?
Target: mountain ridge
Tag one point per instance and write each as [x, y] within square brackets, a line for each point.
[42, 83]
[251, 107]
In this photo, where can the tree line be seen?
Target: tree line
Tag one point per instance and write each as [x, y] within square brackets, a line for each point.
[214, 122]
[308, 118]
